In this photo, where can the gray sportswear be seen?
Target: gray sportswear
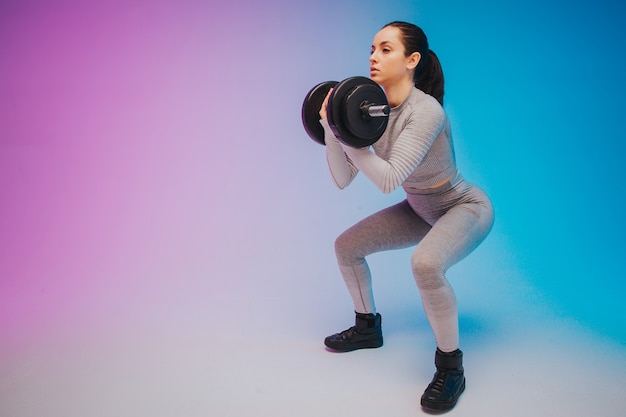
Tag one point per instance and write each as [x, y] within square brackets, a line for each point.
[443, 216]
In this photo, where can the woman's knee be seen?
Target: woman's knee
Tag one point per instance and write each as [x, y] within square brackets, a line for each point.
[345, 249]
[428, 271]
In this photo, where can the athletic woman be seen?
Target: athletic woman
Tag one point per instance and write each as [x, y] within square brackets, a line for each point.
[443, 216]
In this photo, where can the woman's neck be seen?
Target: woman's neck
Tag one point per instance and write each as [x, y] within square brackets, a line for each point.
[398, 92]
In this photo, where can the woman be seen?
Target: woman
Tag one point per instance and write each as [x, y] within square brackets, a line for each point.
[443, 216]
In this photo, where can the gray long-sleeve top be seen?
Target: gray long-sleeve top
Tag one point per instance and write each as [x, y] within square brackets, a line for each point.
[415, 151]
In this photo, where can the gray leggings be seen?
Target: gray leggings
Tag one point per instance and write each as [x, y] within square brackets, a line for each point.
[446, 223]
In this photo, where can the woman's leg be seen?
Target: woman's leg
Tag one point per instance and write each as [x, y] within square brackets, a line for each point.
[395, 227]
[392, 228]
[453, 236]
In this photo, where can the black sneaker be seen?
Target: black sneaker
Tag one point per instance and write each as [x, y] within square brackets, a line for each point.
[448, 383]
[365, 334]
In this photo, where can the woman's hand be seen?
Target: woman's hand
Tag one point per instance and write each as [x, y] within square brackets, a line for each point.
[324, 104]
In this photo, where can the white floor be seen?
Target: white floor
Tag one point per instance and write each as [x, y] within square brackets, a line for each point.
[158, 346]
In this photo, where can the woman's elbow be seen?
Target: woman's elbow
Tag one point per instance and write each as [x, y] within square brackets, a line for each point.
[389, 185]
[341, 184]
[387, 189]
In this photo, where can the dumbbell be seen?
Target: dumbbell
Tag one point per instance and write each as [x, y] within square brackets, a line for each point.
[357, 111]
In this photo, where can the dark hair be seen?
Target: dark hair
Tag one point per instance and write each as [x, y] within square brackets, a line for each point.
[428, 75]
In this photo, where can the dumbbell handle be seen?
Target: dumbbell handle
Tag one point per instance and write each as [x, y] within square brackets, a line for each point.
[375, 110]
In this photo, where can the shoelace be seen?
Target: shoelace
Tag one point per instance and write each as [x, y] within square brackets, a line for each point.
[347, 333]
[439, 381]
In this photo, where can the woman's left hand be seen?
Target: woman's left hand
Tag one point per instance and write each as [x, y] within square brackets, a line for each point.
[324, 105]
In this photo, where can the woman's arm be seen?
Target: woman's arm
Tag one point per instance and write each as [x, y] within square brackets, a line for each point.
[408, 150]
[342, 170]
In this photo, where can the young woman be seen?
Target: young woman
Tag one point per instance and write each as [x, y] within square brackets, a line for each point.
[443, 216]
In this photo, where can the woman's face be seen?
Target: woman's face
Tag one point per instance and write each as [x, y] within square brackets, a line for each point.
[388, 61]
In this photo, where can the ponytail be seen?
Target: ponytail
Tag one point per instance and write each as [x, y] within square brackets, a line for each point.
[429, 76]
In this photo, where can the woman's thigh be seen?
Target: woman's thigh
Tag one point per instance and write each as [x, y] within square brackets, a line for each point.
[394, 227]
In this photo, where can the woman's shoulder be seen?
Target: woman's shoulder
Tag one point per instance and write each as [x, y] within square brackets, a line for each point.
[420, 103]
[420, 98]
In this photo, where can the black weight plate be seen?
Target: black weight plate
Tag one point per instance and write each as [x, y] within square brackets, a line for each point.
[311, 110]
[359, 123]
[346, 118]
[334, 110]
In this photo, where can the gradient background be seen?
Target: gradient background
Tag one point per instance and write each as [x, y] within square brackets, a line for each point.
[166, 227]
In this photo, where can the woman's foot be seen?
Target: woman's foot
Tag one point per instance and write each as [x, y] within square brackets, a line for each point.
[365, 334]
[448, 383]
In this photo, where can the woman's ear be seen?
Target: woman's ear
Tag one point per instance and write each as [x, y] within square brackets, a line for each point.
[413, 60]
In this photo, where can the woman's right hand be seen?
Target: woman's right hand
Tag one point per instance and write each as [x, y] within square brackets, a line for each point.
[324, 104]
